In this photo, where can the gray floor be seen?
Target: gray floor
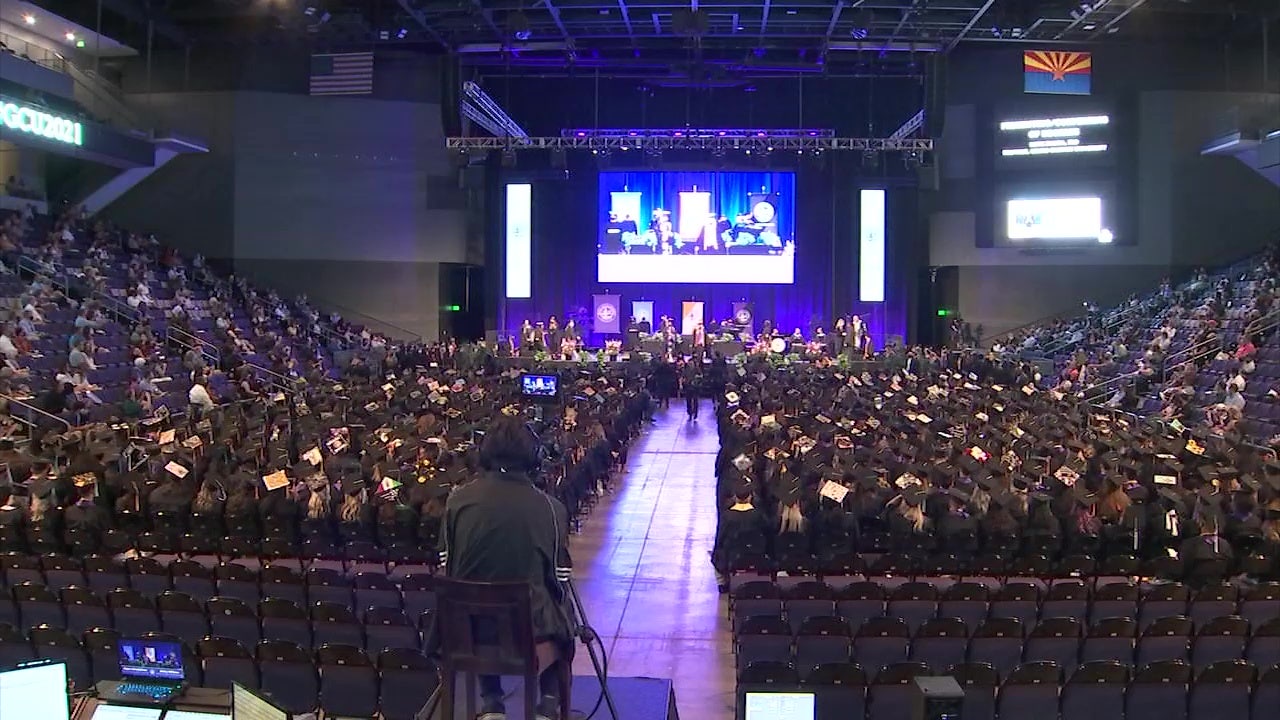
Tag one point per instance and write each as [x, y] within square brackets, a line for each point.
[642, 567]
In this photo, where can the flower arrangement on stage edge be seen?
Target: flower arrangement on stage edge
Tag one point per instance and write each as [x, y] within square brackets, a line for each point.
[612, 348]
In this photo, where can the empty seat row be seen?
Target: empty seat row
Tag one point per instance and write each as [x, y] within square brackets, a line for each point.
[129, 611]
[1027, 566]
[407, 587]
[916, 602]
[342, 680]
[880, 642]
[1231, 690]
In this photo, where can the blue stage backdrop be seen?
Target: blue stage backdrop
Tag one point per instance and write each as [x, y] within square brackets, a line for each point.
[823, 218]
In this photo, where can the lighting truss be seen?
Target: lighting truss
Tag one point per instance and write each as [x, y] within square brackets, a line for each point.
[673, 133]
[714, 144]
[476, 102]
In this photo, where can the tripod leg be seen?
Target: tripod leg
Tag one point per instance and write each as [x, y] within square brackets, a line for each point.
[604, 680]
[589, 638]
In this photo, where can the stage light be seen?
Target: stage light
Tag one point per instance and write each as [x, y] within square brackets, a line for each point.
[29, 19]
[402, 33]
[70, 36]
[1105, 236]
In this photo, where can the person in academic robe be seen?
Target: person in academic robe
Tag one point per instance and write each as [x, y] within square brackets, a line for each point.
[699, 342]
[742, 530]
[691, 386]
[85, 514]
[857, 335]
[838, 336]
[553, 333]
[527, 338]
[12, 520]
[1207, 556]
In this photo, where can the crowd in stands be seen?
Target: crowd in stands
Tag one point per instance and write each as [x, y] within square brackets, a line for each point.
[1203, 353]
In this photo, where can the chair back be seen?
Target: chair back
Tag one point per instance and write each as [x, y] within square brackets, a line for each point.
[485, 628]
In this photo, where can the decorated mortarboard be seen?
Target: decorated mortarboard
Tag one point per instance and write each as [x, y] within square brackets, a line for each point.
[914, 496]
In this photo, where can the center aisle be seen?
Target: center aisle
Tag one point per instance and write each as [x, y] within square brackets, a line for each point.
[643, 568]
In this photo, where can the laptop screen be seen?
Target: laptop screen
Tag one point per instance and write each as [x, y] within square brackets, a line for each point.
[780, 706]
[38, 690]
[151, 659]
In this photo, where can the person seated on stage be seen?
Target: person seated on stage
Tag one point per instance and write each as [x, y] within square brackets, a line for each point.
[501, 528]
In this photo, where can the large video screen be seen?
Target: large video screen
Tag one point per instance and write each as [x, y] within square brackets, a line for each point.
[1075, 218]
[696, 227]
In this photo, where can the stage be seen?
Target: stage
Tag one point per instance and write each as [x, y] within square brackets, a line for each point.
[547, 235]
[637, 698]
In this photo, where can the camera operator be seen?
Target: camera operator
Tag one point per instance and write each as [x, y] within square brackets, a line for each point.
[501, 528]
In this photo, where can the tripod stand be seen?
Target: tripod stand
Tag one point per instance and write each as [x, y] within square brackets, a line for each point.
[584, 632]
[580, 629]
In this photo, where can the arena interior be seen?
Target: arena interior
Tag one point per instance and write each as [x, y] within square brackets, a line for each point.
[786, 359]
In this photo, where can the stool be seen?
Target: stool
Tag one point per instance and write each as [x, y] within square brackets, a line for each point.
[504, 611]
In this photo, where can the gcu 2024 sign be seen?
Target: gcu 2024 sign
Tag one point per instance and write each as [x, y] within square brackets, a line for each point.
[31, 121]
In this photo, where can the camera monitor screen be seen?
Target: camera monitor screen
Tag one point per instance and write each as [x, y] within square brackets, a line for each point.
[697, 227]
[37, 690]
[539, 386]
[151, 659]
[780, 706]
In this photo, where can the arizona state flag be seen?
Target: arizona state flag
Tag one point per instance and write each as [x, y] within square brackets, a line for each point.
[1056, 72]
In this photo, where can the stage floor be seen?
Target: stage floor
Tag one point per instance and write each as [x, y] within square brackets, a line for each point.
[637, 698]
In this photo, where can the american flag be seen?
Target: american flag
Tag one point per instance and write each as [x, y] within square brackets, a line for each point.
[342, 74]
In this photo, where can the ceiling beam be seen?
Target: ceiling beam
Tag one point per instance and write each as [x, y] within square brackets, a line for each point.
[906, 15]
[1115, 20]
[969, 25]
[835, 17]
[487, 14]
[626, 20]
[1076, 22]
[555, 16]
[421, 19]
[764, 19]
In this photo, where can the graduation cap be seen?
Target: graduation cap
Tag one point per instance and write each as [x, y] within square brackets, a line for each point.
[352, 484]
[914, 496]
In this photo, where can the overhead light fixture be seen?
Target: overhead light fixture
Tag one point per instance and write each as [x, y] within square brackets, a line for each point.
[70, 36]
[1105, 236]
[29, 19]
[402, 33]
[519, 27]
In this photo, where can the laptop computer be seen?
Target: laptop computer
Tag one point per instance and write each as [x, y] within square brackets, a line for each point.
[151, 671]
